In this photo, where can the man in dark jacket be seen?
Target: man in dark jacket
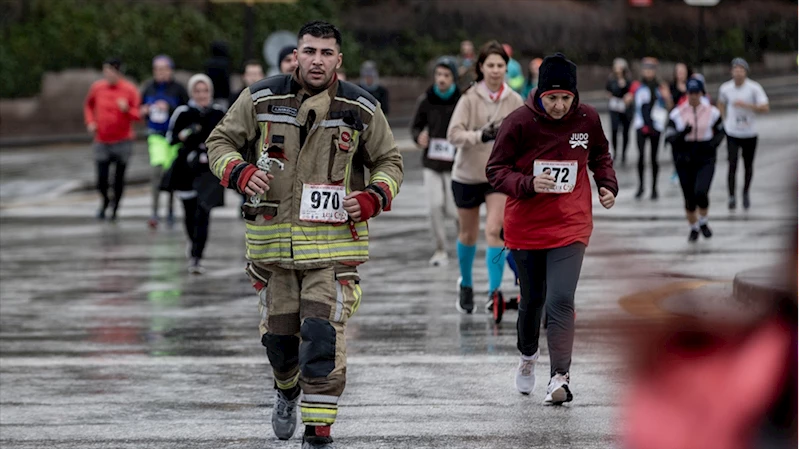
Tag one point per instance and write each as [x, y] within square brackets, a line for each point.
[429, 130]
[548, 217]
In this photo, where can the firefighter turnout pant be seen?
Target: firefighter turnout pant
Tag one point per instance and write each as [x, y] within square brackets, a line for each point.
[303, 317]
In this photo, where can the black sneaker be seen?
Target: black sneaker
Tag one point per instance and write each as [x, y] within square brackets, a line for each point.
[465, 302]
[654, 195]
[317, 437]
[706, 231]
[496, 303]
[640, 193]
[693, 236]
[114, 207]
[101, 211]
[747, 203]
[513, 303]
[731, 202]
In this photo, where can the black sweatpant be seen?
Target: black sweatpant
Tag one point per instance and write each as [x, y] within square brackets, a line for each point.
[695, 163]
[746, 147]
[548, 277]
[620, 121]
[197, 220]
[654, 142]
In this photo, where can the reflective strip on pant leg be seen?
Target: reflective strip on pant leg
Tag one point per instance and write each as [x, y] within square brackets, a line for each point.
[288, 384]
[320, 399]
[318, 414]
[358, 292]
[339, 302]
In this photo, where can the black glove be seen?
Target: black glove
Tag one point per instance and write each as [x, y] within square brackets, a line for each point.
[687, 130]
[489, 134]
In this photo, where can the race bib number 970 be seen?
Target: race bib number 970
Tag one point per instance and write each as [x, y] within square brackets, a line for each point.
[564, 172]
[323, 204]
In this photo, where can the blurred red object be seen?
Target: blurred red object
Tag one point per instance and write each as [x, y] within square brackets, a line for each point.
[709, 388]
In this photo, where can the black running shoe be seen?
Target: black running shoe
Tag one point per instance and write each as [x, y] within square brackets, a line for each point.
[706, 231]
[693, 236]
[747, 203]
[317, 438]
[513, 303]
[731, 202]
[465, 302]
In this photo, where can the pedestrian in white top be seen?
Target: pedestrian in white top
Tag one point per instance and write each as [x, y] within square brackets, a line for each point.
[740, 99]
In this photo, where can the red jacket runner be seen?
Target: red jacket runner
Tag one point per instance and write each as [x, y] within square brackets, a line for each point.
[101, 108]
[549, 220]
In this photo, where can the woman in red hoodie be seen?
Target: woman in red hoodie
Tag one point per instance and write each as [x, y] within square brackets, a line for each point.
[540, 160]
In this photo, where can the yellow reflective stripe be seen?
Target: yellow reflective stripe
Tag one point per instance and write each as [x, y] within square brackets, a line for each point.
[265, 232]
[327, 233]
[348, 168]
[333, 255]
[289, 383]
[318, 414]
[280, 249]
[261, 237]
[352, 245]
[219, 167]
[392, 185]
[268, 227]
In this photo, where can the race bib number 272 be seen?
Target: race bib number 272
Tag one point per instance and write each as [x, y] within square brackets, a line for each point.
[564, 172]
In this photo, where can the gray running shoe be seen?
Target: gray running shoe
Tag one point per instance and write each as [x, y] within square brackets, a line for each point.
[284, 415]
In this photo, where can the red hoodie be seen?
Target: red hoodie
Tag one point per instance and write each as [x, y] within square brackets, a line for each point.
[101, 108]
[549, 220]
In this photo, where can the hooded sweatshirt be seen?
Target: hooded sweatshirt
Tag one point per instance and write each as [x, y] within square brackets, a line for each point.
[434, 113]
[475, 112]
[549, 220]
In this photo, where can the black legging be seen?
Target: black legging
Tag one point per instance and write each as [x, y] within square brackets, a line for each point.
[548, 278]
[620, 120]
[197, 220]
[103, 172]
[747, 147]
[695, 164]
[654, 141]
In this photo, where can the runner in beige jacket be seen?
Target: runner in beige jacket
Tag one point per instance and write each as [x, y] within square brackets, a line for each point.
[473, 128]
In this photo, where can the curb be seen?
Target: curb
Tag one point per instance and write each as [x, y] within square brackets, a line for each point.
[761, 285]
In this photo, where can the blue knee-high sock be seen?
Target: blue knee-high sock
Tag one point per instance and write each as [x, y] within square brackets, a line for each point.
[513, 267]
[466, 260]
[496, 265]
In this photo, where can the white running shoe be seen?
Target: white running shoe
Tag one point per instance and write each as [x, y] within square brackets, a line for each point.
[525, 374]
[439, 259]
[558, 390]
[195, 267]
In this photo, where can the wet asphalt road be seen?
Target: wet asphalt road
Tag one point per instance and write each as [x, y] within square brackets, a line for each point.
[107, 342]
